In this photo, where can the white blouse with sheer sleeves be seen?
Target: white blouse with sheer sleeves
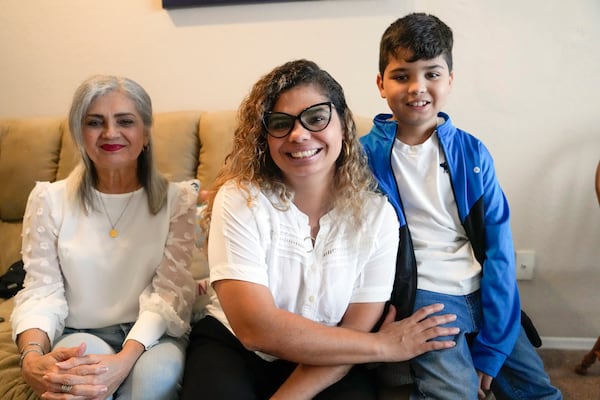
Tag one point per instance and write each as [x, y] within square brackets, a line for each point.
[262, 244]
[78, 276]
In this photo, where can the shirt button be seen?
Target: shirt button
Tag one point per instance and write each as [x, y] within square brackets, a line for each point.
[311, 298]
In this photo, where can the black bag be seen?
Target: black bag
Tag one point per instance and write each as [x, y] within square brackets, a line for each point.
[532, 333]
[12, 281]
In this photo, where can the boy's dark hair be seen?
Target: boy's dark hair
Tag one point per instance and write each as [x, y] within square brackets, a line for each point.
[424, 35]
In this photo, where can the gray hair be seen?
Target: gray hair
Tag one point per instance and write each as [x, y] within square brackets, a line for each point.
[86, 174]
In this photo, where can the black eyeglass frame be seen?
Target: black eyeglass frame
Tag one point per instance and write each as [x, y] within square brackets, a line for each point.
[299, 118]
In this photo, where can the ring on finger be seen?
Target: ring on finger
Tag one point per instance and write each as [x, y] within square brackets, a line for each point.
[66, 388]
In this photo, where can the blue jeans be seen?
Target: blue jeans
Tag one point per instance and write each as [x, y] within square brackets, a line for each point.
[450, 374]
[158, 372]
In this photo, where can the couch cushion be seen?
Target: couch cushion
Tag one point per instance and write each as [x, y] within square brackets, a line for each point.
[39, 139]
[216, 137]
[10, 244]
[12, 386]
[69, 154]
[175, 136]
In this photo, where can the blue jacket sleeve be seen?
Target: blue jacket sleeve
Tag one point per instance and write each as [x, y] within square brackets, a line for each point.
[499, 293]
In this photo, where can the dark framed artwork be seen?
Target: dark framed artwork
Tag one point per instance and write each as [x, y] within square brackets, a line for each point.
[198, 3]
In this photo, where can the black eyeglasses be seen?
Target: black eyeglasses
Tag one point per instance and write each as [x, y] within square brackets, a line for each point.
[314, 118]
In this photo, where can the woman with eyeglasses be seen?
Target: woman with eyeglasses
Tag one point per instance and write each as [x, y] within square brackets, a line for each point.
[302, 255]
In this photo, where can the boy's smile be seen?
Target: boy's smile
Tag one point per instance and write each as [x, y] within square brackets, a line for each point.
[415, 92]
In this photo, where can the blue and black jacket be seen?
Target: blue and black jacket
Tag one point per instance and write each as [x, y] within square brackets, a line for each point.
[484, 212]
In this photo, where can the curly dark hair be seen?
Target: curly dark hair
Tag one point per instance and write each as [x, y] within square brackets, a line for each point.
[250, 161]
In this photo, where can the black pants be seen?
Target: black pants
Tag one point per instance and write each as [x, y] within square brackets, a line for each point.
[218, 367]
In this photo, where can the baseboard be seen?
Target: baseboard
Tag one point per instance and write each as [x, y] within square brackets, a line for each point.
[567, 343]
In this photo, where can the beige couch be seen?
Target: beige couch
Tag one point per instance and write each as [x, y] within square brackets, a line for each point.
[188, 144]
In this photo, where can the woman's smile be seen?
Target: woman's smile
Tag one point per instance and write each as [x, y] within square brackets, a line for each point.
[112, 147]
[304, 154]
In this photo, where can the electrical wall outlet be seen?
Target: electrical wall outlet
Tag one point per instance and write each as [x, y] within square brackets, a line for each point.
[525, 264]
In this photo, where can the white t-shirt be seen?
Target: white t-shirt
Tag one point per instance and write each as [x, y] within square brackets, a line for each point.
[262, 244]
[445, 261]
[80, 277]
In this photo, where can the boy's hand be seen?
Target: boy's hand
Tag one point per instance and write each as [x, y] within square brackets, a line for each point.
[485, 384]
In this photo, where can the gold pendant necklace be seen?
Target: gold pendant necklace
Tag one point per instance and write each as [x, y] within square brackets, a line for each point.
[113, 232]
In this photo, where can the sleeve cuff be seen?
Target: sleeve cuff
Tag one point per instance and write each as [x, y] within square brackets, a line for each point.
[148, 329]
[43, 324]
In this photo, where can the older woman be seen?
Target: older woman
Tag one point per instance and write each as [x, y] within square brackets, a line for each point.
[302, 255]
[108, 294]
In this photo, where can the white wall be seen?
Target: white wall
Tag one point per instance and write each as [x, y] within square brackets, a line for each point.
[526, 83]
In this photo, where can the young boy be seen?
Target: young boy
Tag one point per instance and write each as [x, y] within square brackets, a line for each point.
[455, 239]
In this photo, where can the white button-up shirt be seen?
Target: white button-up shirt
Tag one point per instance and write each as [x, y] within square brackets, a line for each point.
[255, 241]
